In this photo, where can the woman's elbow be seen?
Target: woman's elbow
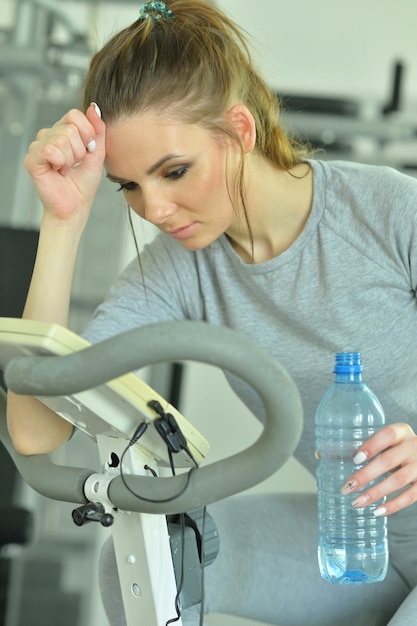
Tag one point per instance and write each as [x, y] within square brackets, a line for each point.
[33, 427]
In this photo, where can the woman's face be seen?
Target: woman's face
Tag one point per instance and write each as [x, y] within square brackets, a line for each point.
[174, 176]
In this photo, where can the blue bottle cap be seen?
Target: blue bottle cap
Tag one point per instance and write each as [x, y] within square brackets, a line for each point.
[348, 363]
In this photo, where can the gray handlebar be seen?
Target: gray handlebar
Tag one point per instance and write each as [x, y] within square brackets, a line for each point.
[164, 342]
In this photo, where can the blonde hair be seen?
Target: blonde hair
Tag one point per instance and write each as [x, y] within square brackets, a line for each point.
[195, 66]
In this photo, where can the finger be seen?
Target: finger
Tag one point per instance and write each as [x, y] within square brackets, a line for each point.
[386, 437]
[77, 125]
[403, 454]
[391, 484]
[93, 115]
[43, 157]
[61, 150]
[402, 501]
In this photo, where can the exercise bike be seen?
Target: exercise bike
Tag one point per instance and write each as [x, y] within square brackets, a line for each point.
[154, 487]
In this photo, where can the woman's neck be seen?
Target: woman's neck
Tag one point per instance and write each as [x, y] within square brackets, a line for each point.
[278, 204]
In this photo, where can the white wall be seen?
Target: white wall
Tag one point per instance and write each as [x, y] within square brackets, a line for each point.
[330, 46]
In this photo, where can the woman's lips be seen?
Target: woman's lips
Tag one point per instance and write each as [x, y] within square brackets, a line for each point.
[183, 232]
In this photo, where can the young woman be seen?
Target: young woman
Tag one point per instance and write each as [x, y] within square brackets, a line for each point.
[304, 256]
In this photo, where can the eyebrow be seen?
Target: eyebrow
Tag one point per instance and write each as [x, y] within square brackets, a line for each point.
[151, 170]
[162, 162]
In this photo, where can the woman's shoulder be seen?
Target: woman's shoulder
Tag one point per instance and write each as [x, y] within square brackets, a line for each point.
[365, 193]
[364, 178]
[373, 208]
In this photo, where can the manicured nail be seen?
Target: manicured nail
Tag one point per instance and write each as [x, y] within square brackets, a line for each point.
[349, 487]
[380, 512]
[97, 108]
[360, 458]
[360, 502]
[91, 146]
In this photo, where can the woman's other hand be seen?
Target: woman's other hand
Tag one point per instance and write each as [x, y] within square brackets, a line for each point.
[391, 452]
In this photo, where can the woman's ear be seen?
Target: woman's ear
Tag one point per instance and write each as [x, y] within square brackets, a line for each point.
[242, 120]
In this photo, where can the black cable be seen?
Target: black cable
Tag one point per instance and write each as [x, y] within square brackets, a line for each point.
[136, 436]
[171, 462]
[163, 500]
[182, 525]
[181, 583]
[202, 569]
[188, 451]
[151, 470]
[138, 433]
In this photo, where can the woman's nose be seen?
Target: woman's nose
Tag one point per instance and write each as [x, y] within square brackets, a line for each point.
[157, 208]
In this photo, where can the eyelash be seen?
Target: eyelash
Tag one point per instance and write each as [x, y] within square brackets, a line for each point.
[175, 175]
[127, 187]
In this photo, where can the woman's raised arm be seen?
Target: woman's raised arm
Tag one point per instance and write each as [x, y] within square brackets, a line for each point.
[65, 163]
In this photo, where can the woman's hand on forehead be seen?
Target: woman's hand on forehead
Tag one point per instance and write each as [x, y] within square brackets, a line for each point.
[66, 160]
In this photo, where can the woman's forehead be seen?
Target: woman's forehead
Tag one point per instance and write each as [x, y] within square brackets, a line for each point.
[150, 139]
[155, 130]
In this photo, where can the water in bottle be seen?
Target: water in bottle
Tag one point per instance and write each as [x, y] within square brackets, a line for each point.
[353, 545]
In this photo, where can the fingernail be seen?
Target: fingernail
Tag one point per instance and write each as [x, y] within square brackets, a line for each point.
[348, 487]
[360, 502]
[76, 165]
[97, 108]
[380, 512]
[360, 458]
[91, 146]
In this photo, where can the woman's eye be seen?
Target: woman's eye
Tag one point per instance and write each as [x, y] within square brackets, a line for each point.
[176, 174]
[127, 187]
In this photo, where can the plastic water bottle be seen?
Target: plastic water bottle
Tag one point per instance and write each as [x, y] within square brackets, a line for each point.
[353, 546]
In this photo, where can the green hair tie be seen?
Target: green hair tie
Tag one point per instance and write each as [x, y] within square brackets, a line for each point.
[155, 10]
